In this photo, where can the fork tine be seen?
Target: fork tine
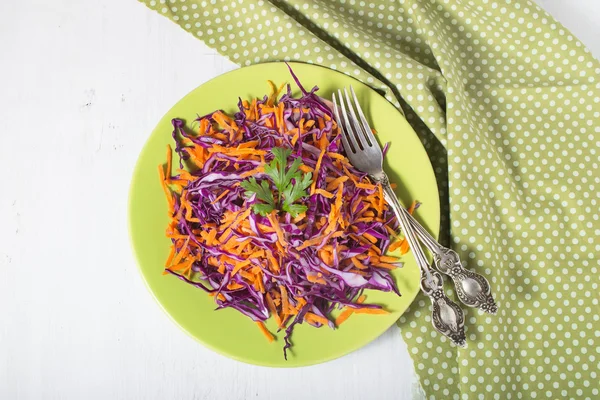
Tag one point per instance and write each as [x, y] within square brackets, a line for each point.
[358, 128]
[347, 146]
[353, 121]
[366, 128]
[352, 136]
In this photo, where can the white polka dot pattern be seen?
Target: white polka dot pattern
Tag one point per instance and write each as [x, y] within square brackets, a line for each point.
[507, 103]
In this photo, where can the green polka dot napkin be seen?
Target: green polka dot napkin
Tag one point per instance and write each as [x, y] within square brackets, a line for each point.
[507, 103]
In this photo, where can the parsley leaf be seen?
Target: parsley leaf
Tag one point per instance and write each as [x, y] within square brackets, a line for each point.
[295, 209]
[276, 168]
[263, 192]
[262, 209]
[291, 185]
[294, 192]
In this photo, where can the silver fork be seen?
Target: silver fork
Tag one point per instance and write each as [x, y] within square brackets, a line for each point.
[364, 153]
[472, 288]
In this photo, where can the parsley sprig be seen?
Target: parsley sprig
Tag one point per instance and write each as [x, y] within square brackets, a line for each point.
[290, 183]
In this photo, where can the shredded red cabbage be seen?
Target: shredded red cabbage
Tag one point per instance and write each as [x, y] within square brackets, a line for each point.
[332, 272]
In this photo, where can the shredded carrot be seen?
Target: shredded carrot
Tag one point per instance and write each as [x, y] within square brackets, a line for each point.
[163, 183]
[389, 259]
[348, 311]
[284, 300]
[396, 245]
[370, 237]
[181, 252]
[324, 193]
[359, 272]
[295, 138]
[310, 242]
[275, 224]
[272, 308]
[380, 204]
[316, 318]
[374, 250]
[265, 331]
[404, 247]
[343, 316]
[306, 169]
[169, 162]
[336, 182]
[338, 157]
[357, 263]
[386, 266]
[248, 276]
[171, 255]
[315, 279]
[182, 266]
[370, 311]
[234, 286]
[224, 235]
[241, 217]
[313, 185]
[239, 266]
[219, 197]
[284, 321]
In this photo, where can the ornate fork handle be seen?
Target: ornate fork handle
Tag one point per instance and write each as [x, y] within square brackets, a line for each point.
[447, 316]
[472, 288]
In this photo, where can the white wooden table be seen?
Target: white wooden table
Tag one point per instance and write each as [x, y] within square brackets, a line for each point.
[82, 84]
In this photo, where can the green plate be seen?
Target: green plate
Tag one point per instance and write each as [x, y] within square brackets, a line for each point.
[226, 331]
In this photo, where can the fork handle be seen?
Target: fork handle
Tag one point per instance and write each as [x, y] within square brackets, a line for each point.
[447, 317]
[472, 288]
[406, 227]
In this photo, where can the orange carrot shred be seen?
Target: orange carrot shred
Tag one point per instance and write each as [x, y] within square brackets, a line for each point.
[386, 266]
[370, 311]
[343, 316]
[381, 200]
[171, 255]
[315, 279]
[324, 193]
[313, 185]
[169, 162]
[181, 252]
[265, 331]
[389, 259]
[239, 266]
[219, 197]
[336, 182]
[275, 224]
[284, 300]
[224, 235]
[357, 263]
[370, 237]
[272, 308]
[284, 321]
[348, 311]
[163, 183]
[182, 266]
[310, 242]
[316, 318]
[396, 245]
[405, 247]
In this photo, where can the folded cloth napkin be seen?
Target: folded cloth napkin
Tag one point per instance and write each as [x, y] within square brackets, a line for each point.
[507, 103]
